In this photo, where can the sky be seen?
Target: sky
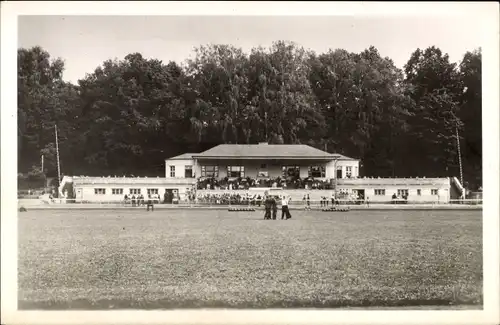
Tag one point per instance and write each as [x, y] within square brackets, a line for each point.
[85, 42]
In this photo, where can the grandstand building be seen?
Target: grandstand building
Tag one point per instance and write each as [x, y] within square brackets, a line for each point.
[262, 161]
[297, 169]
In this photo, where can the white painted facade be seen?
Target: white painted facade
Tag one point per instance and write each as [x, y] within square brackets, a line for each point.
[377, 190]
[114, 189]
[178, 168]
[432, 190]
[257, 169]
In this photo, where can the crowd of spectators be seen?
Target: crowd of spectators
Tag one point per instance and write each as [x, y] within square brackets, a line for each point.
[230, 198]
[399, 199]
[141, 200]
[210, 183]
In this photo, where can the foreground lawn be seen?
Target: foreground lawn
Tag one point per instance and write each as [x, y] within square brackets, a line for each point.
[196, 258]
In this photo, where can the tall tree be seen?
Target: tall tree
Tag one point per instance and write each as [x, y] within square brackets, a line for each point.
[218, 75]
[434, 86]
[128, 115]
[361, 98]
[44, 100]
[281, 94]
[471, 115]
[130, 112]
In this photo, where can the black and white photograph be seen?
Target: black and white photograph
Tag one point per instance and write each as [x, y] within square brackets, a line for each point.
[230, 161]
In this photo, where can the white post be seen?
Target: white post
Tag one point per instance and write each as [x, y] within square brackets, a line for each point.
[265, 117]
[460, 162]
[335, 174]
[58, 163]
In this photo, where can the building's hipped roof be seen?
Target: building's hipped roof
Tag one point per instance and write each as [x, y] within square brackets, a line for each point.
[269, 151]
[183, 156]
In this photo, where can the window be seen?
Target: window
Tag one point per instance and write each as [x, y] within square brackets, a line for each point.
[152, 191]
[348, 171]
[210, 171]
[434, 192]
[290, 171]
[316, 171]
[379, 192]
[172, 171]
[263, 172]
[235, 171]
[402, 193]
[188, 171]
[135, 191]
[339, 172]
[117, 191]
[100, 191]
[419, 192]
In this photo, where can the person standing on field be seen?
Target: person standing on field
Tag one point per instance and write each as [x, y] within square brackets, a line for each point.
[150, 203]
[267, 206]
[275, 207]
[284, 208]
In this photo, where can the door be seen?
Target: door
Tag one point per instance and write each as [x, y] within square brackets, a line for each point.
[79, 194]
[168, 196]
[361, 194]
[339, 173]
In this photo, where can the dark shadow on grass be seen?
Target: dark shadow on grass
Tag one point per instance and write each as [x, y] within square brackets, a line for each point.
[170, 304]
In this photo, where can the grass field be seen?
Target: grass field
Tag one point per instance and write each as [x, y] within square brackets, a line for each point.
[199, 258]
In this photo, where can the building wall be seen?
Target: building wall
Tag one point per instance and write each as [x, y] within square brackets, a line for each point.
[440, 186]
[85, 187]
[333, 165]
[179, 165]
[87, 192]
[390, 185]
[316, 195]
[426, 194]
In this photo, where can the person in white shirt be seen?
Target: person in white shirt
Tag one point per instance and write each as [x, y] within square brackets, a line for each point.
[150, 203]
[284, 208]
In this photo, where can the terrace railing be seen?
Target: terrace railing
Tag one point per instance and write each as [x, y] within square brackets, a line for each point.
[312, 183]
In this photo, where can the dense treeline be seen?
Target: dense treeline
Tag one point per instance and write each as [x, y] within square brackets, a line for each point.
[127, 116]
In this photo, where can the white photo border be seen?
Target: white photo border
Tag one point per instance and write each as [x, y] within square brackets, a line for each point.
[489, 18]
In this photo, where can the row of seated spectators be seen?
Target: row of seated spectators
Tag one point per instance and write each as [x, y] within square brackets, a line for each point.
[140, 199]
[399, 199]
[257, 199]
[229, 198]
[246, 183]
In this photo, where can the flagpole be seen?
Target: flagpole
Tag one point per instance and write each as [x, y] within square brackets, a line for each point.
[460, 159]
[265, 117]
[57, 153]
